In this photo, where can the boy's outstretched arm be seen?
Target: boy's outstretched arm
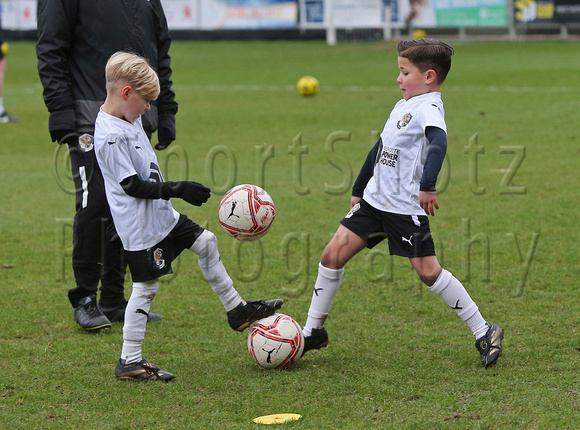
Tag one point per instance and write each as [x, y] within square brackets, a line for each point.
[192, 192]
[437, 148]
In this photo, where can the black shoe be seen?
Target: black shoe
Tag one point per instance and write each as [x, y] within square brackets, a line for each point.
[89, 316]
[143, 370]
[117, 313]
[5, 117]
[318, 339]
[489, 346]
[243, 316]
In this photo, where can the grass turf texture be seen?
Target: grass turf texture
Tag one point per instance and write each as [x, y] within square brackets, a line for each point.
[398, 357]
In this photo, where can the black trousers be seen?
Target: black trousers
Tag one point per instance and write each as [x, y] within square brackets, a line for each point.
[98, 254]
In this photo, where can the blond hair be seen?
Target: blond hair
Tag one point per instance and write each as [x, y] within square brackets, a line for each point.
[130, 69]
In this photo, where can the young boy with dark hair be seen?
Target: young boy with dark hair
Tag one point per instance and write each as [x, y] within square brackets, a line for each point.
[394, 194]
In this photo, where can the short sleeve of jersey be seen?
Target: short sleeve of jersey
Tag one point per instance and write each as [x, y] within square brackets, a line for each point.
[431, 114]
[115, 155]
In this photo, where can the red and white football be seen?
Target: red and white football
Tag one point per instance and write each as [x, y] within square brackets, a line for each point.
[246, 212]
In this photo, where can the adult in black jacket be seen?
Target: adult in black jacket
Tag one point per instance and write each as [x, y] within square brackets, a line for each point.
[75, 40]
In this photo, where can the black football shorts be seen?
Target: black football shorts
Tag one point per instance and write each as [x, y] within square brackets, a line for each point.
[408, 235]
[156, 261]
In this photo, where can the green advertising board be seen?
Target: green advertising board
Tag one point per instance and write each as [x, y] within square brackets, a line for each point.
[470, 13]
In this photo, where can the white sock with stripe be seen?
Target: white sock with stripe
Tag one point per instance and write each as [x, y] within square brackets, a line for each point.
[136, 319]
[457, 297]
[325, 288]
[214, 271]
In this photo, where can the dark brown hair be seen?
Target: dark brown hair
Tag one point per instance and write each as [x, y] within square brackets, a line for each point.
[428, 54]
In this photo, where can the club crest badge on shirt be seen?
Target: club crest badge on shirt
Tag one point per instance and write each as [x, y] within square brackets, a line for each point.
[158, 260]
[404, 122]
[86, 142]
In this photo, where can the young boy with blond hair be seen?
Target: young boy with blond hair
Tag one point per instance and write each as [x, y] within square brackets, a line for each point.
[152, 232]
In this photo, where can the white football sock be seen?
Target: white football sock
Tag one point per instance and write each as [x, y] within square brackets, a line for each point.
[214, 271]
[136, 319]
[456, 296]
[325, 288]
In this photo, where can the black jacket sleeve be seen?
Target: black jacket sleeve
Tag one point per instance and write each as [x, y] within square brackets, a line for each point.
[437, 149]
[166, 103]
[55, 37]
[366, 172]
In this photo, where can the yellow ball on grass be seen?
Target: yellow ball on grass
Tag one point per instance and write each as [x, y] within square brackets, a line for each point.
[308, 86]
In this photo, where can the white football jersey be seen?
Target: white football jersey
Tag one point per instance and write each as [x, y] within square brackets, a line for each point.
[123, 150]
[394, 186]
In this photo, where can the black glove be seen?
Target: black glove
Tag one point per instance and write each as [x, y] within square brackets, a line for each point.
[193, 193]
[61, 125]
[165, 131]
[64, 136]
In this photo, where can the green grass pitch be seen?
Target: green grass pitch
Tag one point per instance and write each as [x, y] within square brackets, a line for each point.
[398, 358]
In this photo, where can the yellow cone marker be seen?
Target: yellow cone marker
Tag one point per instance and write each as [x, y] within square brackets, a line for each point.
[277, 418]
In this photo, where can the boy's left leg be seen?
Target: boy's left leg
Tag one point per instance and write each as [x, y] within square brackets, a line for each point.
[488, 336]
[241, 314]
